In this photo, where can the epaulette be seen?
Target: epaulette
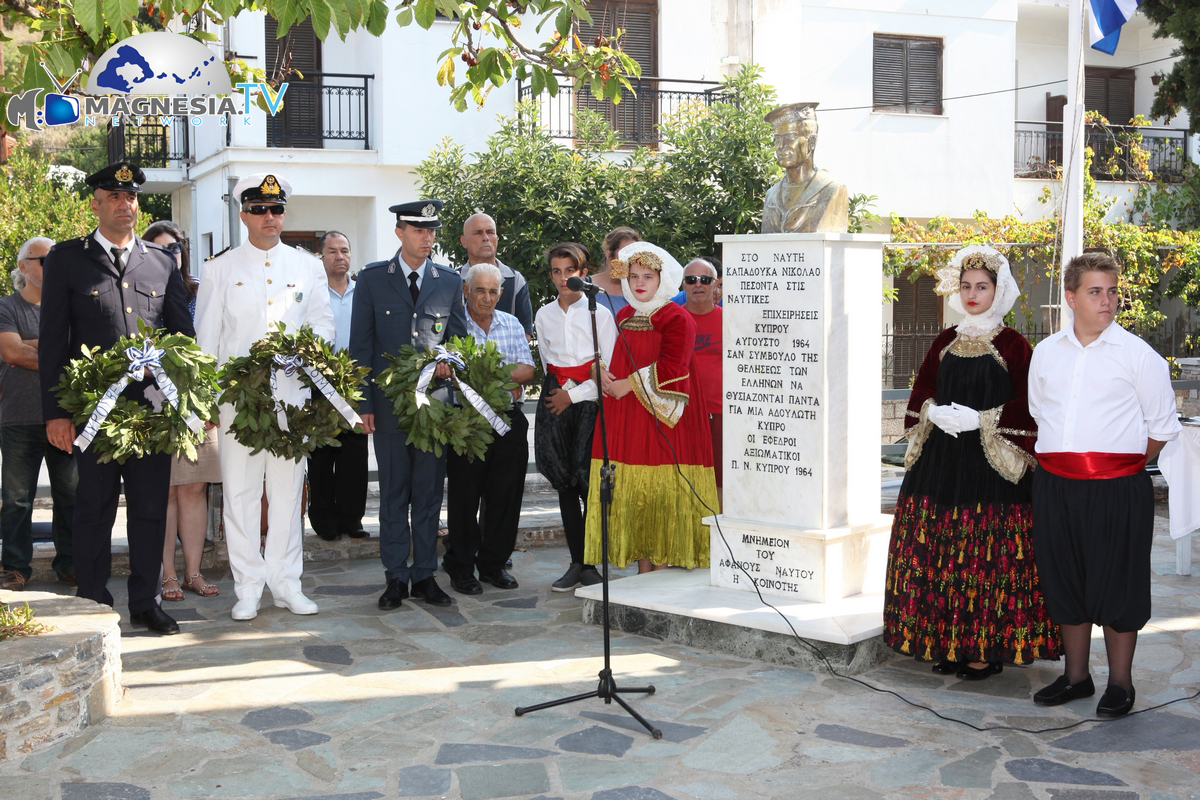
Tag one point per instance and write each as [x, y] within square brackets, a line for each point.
[373, 265]
[65, 243]
[223, 252]
[445, 269]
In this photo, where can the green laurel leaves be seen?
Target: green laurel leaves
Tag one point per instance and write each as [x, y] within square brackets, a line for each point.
[436, 425]
[246, 385]
[133, 430]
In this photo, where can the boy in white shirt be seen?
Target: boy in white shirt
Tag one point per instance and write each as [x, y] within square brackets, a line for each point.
[1103, 403]
[565, 421]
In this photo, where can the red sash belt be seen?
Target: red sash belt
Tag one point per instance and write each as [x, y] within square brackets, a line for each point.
[579, 374]
[1092, 466]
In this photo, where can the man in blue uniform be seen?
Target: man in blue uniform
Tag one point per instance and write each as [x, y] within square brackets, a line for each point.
[408, 300]
[94, 291]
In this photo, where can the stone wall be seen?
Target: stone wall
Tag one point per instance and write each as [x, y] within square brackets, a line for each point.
[55, 684]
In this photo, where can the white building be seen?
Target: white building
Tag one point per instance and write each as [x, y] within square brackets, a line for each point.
[919, 106]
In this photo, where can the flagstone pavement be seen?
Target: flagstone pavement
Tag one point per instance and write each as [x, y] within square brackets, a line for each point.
[359, 704]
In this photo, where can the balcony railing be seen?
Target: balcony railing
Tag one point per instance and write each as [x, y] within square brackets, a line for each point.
[150, 146]
[636, 119]
[1039, 151]
[323, 107]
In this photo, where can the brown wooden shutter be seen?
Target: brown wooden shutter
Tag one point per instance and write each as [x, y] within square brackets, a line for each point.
[916, 322]
[1111, 93]
[907, 74]
[633, 119]
[300, 122]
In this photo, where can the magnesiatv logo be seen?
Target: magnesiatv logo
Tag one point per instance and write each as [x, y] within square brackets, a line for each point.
[152, 75]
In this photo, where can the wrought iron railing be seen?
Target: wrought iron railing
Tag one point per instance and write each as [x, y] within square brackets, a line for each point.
[1039, 151]
[636, 119]
[905, 346]
[150, 146]
[324, 106]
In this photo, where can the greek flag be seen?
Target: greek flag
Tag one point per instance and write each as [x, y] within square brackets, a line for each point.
[1107, 17]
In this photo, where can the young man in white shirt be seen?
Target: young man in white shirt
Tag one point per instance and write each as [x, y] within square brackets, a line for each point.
[1103, 402]
[566, 414]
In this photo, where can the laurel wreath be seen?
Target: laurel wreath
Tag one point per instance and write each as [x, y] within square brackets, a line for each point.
[132, 429]
[246, 385]
[436, 425]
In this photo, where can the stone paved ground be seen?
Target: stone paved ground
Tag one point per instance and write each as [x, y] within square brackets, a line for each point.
[359, 704]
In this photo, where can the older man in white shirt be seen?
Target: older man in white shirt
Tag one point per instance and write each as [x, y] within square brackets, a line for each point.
[1103, 402]
[244, 294]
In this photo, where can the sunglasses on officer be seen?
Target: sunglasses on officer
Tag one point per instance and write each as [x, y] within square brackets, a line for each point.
[692, 280]
[260, 211]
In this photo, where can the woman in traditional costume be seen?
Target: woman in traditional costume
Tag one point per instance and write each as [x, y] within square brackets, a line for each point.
[962, 587]
[657, 424]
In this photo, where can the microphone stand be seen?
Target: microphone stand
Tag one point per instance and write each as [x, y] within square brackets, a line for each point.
[607, 689]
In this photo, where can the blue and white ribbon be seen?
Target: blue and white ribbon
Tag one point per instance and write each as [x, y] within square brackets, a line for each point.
[288, 365]
[147, 357]
[444, 356]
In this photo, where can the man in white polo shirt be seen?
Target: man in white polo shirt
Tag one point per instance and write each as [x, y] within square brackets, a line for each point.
[1103, 403]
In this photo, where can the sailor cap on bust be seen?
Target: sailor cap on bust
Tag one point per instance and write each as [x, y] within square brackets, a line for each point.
[793, 115]
[262, 187]
[122, 176]
[419, 213]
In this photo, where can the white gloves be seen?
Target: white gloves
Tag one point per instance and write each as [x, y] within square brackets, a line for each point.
[954, 418]
[945, 417]
[968, 418]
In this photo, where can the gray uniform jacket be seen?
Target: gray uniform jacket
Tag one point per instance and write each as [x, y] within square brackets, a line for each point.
[383, 319]
[85, 302]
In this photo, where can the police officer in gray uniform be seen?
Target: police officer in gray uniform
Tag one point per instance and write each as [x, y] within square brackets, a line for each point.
[408, 300]
[94, 291]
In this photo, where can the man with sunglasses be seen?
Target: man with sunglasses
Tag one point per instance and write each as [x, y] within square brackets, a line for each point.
[95, 290]
[701, 281]
[245, 293]
[23, 443]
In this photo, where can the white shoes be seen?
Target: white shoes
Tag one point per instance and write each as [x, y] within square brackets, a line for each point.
[245, 609]
[297, 604]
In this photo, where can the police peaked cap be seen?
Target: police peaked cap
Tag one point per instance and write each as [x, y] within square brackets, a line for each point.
[419, 214]
[119, 177]
[262, 187]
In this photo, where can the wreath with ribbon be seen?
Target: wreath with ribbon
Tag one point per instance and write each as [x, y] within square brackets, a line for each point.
[480, 377]
[263, 422]
[118, 428]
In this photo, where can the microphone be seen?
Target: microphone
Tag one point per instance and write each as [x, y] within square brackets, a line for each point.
[576, 284]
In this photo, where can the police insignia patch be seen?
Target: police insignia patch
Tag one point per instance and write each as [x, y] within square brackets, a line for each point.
[428, 210]
[124, 174]
[299, 296]
[437, 327]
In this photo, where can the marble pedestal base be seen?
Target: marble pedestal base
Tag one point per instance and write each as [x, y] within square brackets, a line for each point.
[819, 566]
[681, 606]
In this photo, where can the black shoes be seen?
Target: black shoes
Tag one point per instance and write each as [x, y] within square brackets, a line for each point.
[393, 595]
[947, 667]
[159, 621]
[466, 585]
[430, 592]
[1063, 691]
[1116, 702]
[358, 534]
[498, 578]
[968, 673]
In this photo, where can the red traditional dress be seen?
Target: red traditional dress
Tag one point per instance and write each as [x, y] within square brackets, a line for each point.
[663, 420]
[961, 580]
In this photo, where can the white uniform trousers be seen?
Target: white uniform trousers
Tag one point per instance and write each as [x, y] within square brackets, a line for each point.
[242, 476]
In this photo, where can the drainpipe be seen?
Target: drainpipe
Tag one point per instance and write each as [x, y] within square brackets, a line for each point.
[235, 233]
[194, 234]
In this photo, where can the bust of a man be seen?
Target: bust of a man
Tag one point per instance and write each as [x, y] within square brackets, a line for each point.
[806, 200]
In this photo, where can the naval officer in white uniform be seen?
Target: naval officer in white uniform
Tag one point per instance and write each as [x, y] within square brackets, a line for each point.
[245, 293]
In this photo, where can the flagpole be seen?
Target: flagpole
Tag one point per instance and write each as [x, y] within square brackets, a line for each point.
[1073, 144]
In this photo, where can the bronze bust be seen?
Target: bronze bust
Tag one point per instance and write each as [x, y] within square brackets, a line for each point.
[806, 200]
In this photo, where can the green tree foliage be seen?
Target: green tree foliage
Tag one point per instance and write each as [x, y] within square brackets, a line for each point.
[33, 205]
[487, 36]
[708, 178]
[1180, 89]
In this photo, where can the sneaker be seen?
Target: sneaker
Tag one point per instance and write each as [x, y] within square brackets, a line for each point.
[569, 580]
[13, 581]
[590, 576]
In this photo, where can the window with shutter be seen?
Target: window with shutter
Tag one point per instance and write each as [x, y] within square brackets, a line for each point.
[635, 117]
[916, 322]
[907, 74]
[300, 122]
[1109, 91]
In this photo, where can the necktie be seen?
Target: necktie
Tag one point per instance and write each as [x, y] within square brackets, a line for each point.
[117, 252]
[413, 289]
